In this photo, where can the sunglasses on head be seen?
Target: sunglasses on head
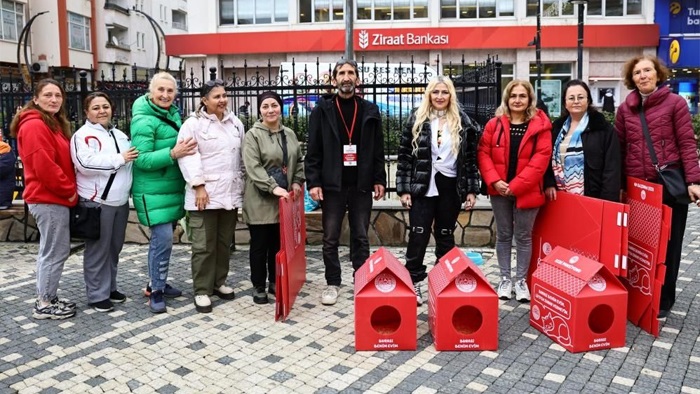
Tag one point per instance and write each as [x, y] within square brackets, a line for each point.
[211, 84]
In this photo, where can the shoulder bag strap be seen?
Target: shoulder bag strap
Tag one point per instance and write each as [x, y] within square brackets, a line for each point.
[114, 174]
[285, 160]
[645, 130]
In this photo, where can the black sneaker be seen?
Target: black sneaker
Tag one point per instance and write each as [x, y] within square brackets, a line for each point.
[63, 303]
[259, 296]
[117, 297]
[52, 311]
[272, 289]
[102, 306]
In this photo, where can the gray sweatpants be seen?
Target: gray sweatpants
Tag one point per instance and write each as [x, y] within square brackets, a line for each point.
[102, 255]
[54, 247]
[512, 222]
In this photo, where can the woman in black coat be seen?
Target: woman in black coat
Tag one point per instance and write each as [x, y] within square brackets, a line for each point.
[436, 173]
[585, 149]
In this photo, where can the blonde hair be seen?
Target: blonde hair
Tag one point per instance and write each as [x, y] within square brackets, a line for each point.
[156, 77]
[423, 113]
[531, 110]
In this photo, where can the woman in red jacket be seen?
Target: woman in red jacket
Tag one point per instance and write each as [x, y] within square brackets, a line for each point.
[513, 156]
[43, 135]
[668, 121]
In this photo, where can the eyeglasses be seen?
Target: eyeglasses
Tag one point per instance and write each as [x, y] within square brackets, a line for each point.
[573, 99]
[211, 84]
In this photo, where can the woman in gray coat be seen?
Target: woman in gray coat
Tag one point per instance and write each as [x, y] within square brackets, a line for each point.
[273, 162]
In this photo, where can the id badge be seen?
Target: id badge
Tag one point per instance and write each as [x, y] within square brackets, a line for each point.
[350, 155]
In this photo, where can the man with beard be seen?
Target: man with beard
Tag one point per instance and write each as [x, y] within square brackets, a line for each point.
[344, 165]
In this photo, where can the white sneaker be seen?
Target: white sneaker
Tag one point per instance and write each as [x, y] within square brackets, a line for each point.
[522, 293]
[224, 292]
[419, 294]
[505, 288]
[330, 295]
[202, 303]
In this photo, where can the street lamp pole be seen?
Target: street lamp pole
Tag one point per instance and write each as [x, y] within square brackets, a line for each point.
[537, 42]
[581, 10]
[25, 35]
[156, 28]
[349, 16]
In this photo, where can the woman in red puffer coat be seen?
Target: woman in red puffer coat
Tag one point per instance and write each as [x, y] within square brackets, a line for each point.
[513, 155]
[668, 120]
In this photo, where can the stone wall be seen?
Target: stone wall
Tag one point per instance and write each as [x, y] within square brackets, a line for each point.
[388, 226]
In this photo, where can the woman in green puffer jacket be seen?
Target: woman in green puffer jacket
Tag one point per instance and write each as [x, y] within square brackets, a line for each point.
[158, 189]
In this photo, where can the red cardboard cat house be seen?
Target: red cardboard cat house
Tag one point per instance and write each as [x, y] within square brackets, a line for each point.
[291, 259]
[385, 305]
[578, 303]
[462, 305]
[595, 228]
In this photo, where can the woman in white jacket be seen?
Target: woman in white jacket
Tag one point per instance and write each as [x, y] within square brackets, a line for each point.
[215, 179]
[100, 152]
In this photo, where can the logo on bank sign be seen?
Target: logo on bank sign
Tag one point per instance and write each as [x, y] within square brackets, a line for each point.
[465, 283]
[385, 283]
[364, 39]
[674, 51]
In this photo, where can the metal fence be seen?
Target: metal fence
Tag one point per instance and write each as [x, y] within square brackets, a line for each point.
[395, 87]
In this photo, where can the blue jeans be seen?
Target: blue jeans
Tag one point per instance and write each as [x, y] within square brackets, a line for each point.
[359, 207]
[159, 250]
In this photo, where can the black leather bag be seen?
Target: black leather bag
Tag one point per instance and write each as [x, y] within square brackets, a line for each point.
[85, 222]
[671, 176]
[675, 188]
[280, 176]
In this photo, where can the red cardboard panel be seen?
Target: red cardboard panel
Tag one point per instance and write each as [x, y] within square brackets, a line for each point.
[648, 235]
[385, 305]
[291, 264]
[580, 312]
[462, 305]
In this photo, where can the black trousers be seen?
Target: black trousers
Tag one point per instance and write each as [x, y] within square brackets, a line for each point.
[264, 245]
[673, 255]
[359, 207]
[440, 213]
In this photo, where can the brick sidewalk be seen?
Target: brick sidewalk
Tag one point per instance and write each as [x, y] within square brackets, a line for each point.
[239, 347]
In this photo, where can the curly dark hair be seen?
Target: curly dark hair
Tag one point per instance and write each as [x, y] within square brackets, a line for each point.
[662, 73]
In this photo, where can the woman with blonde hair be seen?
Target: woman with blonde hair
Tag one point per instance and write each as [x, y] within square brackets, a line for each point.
[436, 173]
[513, 155]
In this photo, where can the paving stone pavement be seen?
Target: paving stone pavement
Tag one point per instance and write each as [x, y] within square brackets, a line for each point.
[240, 348]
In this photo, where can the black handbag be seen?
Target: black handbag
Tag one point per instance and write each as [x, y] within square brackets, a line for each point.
[671, 176]
[85, 220]
[279, 174]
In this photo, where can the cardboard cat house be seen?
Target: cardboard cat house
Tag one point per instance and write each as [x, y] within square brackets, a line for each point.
[385, 305]
[578, 302]
[462, 305]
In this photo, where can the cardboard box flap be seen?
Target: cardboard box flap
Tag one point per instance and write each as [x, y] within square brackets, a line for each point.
[378, 262]
[450, 266]
[567, 270]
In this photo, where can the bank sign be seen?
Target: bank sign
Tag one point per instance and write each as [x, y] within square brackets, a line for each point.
[400, 39]
[679, 28]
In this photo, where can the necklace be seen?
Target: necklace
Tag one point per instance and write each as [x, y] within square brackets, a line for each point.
[439, 113]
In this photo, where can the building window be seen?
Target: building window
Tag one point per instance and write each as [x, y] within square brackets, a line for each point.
[246, 12]
[614, 7]
[554, 76]
[555, 8]
[79, 32]
[475, 9]
[11, 19]
[311, 11]
[391, 9]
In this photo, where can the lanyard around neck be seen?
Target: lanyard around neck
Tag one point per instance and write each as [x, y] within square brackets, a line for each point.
[345, 124]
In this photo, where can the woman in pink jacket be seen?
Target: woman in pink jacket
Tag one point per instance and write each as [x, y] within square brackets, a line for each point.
[668, 121]
[513, 154]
